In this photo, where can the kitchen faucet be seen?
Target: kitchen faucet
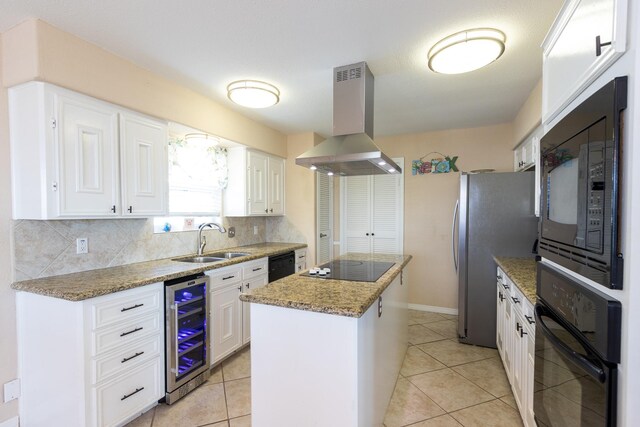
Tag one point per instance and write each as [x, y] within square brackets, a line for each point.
[202, 241]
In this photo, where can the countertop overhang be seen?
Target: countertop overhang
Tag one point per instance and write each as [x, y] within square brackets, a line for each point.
[93, 283]
[330, 296]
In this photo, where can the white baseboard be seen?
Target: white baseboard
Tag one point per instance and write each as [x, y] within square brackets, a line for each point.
[11, 422]
[443, 310]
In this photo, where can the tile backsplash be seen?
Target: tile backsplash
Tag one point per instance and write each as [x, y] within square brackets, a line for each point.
[48, 248]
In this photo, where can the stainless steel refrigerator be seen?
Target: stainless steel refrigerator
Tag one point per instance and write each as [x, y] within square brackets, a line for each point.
[494, 216]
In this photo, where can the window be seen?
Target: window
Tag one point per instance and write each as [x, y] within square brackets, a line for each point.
[197, 177]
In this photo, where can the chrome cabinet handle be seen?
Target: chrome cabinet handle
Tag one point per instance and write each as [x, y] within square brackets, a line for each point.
[322, 235]
[130, 209]
[131, 308]
[515, 300]
[126, 359]
[126, 396]
[228, 277]
[522, 332]
[529, 319]
[257, 269]
[131, 331]
[599, 45]
[113, 209]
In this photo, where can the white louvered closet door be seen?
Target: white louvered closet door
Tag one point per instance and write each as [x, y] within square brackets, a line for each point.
[372, 209]
[356, 227]
[324, 218]
[386, 214]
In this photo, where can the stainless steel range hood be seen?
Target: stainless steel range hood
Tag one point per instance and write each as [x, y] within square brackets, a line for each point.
[352, 150]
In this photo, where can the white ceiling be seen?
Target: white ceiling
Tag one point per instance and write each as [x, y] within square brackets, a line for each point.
[206, 44]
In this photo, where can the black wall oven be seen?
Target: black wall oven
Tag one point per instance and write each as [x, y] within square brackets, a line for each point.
[577, 351]
[580, 187]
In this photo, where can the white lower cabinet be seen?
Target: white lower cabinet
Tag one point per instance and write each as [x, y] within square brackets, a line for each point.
[352, 363]
[97, 362]
[301, 259]
[230, 317]
[515, 339]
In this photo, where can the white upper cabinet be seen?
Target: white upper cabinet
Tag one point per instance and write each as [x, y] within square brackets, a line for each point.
[527, 155]
[256, 184]
[586, 38]
[73, 156]
[144, 165]
[87, 142]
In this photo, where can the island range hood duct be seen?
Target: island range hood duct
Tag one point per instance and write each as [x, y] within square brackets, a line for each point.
[351, 151]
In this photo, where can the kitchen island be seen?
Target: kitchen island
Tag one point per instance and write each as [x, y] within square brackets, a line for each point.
[327, 352]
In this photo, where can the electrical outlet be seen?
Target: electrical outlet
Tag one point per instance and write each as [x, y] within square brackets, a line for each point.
[11, 390]
[255, 230]
[82, 245]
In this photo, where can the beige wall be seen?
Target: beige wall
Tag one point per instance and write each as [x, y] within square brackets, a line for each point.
[8, 356]
[35, 50]
[299, 224]
[429, 201]
[529, 116]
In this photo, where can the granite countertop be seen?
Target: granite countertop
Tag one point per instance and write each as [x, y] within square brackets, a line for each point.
[341, 297]
[522, 271]
[94, 283]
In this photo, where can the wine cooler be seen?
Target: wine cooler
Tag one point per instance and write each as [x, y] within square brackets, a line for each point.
[187, 337]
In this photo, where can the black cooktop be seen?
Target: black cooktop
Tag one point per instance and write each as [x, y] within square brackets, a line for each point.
[359, 271]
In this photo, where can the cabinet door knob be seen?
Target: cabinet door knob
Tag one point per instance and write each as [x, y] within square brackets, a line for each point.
[322, 235]
[599, 45]
[367, 234]
[271, 210]
[373, 234]
[266, 211]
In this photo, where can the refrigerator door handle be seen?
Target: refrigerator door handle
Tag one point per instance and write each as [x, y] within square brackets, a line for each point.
[453, 235]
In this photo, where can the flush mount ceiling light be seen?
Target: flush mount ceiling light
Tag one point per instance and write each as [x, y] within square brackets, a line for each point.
[253, 93]
[466, 51]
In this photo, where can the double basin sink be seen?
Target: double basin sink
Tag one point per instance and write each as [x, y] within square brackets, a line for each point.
[215, 257]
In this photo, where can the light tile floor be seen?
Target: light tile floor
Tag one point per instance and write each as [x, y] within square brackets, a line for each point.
[442, 383]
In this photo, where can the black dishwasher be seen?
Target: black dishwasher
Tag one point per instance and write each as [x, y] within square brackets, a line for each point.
[281, 266]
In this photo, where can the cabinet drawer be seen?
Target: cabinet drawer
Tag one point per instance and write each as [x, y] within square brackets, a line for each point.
[108, 339]
[224, 276]
[126, 358]
[124, 397]
[255, 268]
[301, 255]
[114, 309]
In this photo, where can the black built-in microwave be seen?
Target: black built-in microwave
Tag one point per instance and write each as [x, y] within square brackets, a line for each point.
[581, 187]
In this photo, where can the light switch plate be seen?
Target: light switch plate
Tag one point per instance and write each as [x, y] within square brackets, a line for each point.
[11, 390]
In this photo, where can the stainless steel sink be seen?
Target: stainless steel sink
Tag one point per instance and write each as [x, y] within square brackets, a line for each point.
[229, 255]
[200, 259]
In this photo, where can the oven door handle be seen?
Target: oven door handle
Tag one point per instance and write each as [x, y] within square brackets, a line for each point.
[585, 364]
